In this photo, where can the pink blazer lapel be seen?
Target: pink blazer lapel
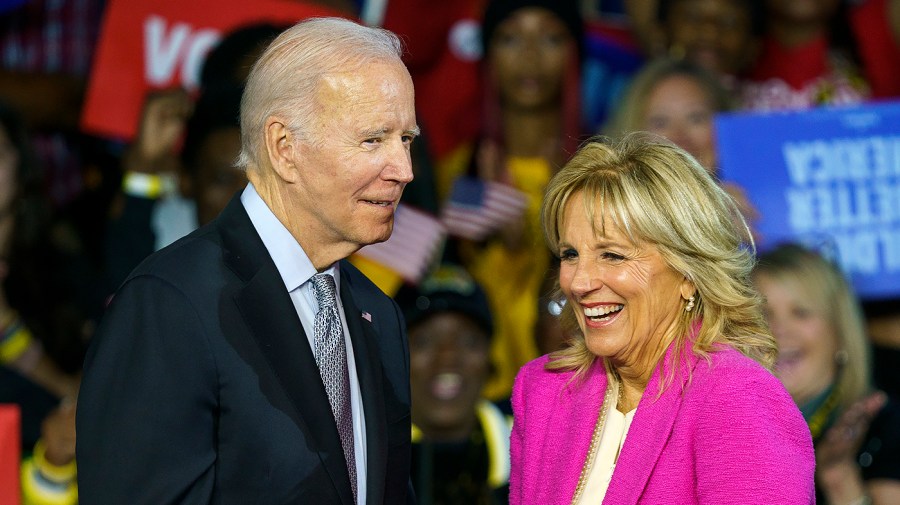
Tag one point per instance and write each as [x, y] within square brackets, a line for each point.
[569, 436]
[649, 432]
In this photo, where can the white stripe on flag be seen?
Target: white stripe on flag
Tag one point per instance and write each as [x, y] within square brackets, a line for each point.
[501, 204]
[412, 244]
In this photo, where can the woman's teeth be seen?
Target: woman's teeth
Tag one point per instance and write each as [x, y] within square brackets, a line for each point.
[602, 312]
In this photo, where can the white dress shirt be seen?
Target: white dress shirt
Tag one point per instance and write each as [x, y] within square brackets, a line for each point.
[296, 271]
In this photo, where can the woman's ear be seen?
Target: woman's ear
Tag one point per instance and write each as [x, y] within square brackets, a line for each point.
[281, 148]
[687, 288]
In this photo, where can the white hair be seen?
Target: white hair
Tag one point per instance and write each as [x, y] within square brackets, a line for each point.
[284, 79]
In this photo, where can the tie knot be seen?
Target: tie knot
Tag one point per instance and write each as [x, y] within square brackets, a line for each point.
[323, 286]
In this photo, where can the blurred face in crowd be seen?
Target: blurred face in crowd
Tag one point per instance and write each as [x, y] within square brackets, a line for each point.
[715, 34]
[9, 161]
[679, 109]
[807, 342]
[449, 364]
[215, 178]
[528, 54]
[626, 298]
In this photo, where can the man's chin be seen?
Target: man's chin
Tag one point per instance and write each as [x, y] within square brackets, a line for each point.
[377, 234]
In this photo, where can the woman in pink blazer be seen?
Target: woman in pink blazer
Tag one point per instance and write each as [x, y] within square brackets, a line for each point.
[664, 394]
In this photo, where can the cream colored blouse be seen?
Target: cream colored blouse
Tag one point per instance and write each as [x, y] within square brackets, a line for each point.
[615, 428]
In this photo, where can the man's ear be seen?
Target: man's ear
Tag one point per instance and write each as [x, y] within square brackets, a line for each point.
[281, 148]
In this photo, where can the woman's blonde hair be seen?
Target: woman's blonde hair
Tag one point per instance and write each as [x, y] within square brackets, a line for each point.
[657, 193]
[822, 284]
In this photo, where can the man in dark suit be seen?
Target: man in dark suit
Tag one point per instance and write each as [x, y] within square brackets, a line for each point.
[249, 363]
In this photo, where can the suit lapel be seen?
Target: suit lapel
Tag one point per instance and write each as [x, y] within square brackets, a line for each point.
[368, 370]
[572, 428]
[650, 431]
[271, 317]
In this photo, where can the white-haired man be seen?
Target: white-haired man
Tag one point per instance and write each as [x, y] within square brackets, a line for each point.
[249, 362]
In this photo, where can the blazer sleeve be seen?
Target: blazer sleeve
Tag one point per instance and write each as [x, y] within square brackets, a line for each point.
[752, 444]
[146, 411]
[411, 498]
[517, 438]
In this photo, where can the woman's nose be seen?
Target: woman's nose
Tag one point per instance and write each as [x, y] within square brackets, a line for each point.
[585, 279]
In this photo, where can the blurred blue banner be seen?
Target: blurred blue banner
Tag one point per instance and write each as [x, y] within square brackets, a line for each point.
[7, 5]
[828, 178]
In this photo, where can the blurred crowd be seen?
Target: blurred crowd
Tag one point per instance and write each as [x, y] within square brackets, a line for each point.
[505, 90]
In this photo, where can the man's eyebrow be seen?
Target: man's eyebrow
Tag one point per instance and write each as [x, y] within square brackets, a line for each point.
[378, 132]
[374, 132]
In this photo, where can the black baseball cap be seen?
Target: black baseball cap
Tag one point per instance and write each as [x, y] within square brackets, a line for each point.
[449, 288]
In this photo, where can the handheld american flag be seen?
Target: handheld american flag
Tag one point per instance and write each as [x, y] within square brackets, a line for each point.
[477, 208]
[413, 243]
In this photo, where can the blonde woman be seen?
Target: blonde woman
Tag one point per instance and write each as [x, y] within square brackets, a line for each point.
[664, 395]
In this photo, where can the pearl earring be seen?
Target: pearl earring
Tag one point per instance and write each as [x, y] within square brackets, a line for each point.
[690, 304]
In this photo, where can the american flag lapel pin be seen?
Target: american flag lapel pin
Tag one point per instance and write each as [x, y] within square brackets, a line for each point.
[367, 316]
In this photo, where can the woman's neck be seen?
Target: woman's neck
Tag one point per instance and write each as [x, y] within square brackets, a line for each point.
[532, 133]
[630, 393]
[634, 374]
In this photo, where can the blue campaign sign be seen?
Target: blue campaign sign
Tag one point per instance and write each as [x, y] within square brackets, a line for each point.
[825, 177]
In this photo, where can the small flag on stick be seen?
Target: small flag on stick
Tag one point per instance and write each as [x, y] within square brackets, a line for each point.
[416, 238]
[477, 208]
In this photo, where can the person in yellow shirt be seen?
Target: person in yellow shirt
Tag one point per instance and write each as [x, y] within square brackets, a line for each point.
[531, 124]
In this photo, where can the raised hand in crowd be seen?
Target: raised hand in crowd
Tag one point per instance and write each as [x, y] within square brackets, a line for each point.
[58, 433]
[837, 469]
[163, 121]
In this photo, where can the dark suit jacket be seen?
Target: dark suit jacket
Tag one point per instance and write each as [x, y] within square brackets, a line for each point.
[200, 385]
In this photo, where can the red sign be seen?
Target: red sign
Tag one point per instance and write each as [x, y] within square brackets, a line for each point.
[10, 454]
[154, 44]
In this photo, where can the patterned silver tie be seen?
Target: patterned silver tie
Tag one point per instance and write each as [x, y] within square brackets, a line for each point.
[331, 358]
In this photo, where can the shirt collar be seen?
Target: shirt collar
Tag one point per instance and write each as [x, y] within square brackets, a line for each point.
[290, 259]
